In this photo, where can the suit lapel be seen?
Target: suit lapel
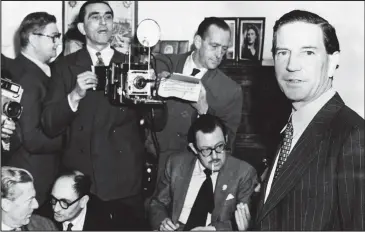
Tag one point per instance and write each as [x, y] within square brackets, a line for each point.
[302, 154]
[225, 177]
[182, 182]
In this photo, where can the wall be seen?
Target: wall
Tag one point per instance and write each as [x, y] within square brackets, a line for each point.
[179, 20]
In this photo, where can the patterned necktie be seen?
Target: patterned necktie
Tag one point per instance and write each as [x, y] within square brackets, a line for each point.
[69, 226]
[285, 148]
[204, 204]
[100, 61]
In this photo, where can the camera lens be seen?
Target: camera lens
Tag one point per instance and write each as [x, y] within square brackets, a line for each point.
[140, 82]
[12, 109]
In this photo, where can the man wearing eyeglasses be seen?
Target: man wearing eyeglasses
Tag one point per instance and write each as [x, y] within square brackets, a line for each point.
[201, 191]
[39, 39]
[74, 208]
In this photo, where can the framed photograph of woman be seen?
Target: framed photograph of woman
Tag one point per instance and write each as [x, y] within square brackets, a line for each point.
[251, 38]
[231, 52]
[124, 26]
[169, 46]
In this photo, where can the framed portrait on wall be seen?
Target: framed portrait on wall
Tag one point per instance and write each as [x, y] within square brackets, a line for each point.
[232, 51]
[169, 46]
[251, 38]
[124, 26]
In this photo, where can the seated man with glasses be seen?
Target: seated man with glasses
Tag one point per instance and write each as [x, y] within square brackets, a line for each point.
[74, 208]
[201, 191]
[37, 153]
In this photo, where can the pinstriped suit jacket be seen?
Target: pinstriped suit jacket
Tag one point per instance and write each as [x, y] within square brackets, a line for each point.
[322, 183]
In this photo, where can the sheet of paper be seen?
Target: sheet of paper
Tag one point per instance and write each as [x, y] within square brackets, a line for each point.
[180, 86]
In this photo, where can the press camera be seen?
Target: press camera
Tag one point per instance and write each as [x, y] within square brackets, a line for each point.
[134, 82]
[11, 94]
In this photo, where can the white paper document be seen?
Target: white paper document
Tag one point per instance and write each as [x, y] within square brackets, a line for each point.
[180, 86]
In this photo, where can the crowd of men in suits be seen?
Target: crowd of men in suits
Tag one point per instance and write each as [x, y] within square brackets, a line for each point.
[76, 160]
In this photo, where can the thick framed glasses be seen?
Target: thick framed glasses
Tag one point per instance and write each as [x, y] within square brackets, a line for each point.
[53, 37]
[63, 203]
[208, 151]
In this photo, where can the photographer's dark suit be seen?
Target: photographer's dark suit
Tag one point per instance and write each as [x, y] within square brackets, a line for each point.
[103, 141]
[38, 153]
[224, 98]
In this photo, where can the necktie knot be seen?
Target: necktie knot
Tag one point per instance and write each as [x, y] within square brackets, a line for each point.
[195, 71]
[69, 226]
[100, 61]
[208, 172]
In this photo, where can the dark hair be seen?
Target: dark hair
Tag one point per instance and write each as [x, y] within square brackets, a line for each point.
[73, 33]
[34, 22]
[329, 33]
[207, 124]
[82, 183]
[82, 12]
[207, 22]
[254, 28]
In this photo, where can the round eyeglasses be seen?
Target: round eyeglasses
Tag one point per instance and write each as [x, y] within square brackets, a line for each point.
[208, 151]
[63, 202]
[53, 37]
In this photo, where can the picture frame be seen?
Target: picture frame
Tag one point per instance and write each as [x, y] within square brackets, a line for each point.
[251, 39]
[124, 26]
[231, 54]
[171, 47]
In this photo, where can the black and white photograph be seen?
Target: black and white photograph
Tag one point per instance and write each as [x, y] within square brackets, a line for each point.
[222, 116]
[251, 38]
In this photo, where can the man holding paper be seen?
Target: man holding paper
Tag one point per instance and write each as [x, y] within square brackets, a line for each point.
[219, 95]
[201, 191]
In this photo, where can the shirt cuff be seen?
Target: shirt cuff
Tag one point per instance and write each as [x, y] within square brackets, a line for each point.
[72, 106]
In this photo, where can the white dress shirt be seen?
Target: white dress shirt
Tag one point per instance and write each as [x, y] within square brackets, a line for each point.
[106, 54]
[300, 120]
[5, 227]
[78, 222]
[196, 182]
[44, 67]
[190, 65]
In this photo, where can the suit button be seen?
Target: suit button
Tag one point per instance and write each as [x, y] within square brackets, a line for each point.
[120, 151]
[178, 134]
[81, 128]
[122, 109]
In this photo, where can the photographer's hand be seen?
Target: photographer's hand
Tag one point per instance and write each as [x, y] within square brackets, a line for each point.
[7, 127]
[201, 105]
[85, 81]
[161, 77]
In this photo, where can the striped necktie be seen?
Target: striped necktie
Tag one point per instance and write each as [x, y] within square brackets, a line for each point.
[100, 61]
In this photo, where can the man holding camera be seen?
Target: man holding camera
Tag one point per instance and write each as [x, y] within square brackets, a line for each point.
[219, 96]
[103, 141]
[39, 39]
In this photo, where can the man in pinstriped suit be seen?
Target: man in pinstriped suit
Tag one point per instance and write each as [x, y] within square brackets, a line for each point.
[321, 183]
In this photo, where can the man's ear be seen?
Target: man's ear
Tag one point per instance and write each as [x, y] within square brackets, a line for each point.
[192, 147]
[333, 62]
[5, 204]
[197, 41]
[81, 28]
[84, 200]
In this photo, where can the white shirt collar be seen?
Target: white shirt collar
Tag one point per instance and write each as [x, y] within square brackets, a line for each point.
[78, 222]
[5, 227]
[190, 65]
[44, 67]
[304, 115]
[107, 54]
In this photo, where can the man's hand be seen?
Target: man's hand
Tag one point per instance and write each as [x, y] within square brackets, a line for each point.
[202, 105]
[85, 81]
[7, 127]
[243, 216]
[167, 224]
[206, 228]
[162, 77]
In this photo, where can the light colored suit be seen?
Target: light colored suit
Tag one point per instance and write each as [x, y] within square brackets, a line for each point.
[236, 178]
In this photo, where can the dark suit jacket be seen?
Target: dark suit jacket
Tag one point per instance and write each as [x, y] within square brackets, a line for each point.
[321, 185]
[95, 219]
[224, 98]
[38, 153]
[167, 202]
[39, 223]
[103, 141]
